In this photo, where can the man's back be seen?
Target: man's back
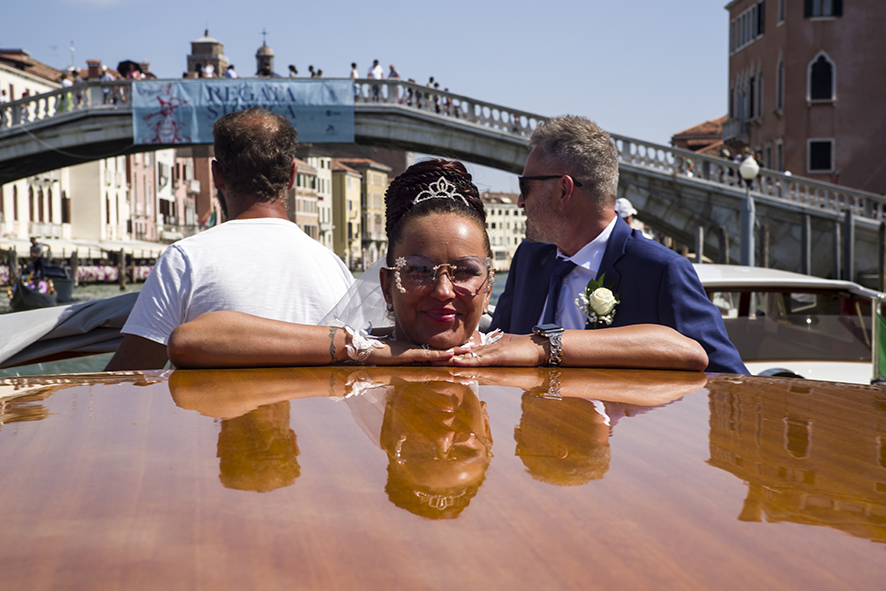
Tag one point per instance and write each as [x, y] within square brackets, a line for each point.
[266, 267]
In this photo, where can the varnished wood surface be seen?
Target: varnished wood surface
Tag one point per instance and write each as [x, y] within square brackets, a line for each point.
[271, 479]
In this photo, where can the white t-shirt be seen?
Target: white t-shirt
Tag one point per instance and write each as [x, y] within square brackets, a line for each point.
[266, 267]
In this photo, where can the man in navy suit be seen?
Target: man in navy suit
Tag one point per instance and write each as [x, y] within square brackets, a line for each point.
[568, 192]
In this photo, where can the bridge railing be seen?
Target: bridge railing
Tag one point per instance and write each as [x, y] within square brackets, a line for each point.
[672, 161]
[48, 105]
[676, 162]
[449, 104]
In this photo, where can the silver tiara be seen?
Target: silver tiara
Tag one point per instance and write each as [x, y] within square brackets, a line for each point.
[442, 189]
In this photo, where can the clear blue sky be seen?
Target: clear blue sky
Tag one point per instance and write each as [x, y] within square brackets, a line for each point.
[641, 68]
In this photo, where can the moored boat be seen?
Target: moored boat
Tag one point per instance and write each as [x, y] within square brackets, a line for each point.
[31, 295]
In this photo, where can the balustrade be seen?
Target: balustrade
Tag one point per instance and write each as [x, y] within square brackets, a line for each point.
[770, 183]
[663, 159]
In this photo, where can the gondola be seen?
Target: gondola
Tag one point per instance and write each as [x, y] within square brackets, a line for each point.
[31, 295]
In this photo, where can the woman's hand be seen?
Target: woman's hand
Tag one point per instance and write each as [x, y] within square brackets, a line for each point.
[513, 351]
[399, 353]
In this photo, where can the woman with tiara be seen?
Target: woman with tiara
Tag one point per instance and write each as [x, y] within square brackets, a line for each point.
[431, 292]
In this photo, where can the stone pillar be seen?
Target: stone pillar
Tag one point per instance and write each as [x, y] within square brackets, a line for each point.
[836, 269]
[699, 245]
[848, 246]
[806, 245]
[724, 245]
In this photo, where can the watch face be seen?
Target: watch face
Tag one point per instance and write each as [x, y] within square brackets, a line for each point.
[547, 328]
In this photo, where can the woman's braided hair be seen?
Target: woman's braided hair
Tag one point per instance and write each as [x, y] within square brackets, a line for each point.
[419, 177]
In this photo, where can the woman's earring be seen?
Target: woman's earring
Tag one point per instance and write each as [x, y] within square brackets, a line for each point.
[390, 307]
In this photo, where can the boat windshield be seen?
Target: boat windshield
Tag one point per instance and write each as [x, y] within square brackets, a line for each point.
[787, 325]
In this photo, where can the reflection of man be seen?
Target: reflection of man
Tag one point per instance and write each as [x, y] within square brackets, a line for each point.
[568, 192]
[300, 280]
[563, 442]
[258, 451]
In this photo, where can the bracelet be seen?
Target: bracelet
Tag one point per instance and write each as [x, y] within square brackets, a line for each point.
[553, 392]
[552, 332]
[361, 345]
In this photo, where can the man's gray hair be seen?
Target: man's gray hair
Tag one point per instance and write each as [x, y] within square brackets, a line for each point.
[585, 152]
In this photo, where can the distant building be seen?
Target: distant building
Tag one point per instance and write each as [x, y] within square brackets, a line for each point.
[100, 205]
[506, 224]
[323, 166]
[206, 51]
[806, 85]
[264, 61]
[36, 206]
[301, 200]
[704, 138]
[346, 214]
[374, 184]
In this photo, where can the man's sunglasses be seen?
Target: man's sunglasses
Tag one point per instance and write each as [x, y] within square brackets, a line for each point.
[524, 188]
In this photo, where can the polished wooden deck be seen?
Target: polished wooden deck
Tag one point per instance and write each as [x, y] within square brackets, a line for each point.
[422, 480]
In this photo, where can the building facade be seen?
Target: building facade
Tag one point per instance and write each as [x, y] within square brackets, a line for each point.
[506, 225]
[301, 200]
[206, 51]
[372, 203]
[346, 214]
[323, 166]
[806, 79]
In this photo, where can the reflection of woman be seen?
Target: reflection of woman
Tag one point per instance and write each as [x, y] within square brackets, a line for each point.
[436, 284]
[437, 437]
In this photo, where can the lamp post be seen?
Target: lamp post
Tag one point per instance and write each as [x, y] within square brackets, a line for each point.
[748, 171]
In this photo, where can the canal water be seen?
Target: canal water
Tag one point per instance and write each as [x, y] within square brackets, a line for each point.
[96, 291]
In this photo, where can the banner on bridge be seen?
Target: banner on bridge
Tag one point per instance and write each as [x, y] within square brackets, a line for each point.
[183, 111]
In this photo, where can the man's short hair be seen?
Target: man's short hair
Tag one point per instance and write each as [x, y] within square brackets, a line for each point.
[584, 150]
[255, 150]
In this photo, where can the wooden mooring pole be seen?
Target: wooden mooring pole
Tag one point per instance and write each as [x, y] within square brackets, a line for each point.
[74, 263]
[121, 269]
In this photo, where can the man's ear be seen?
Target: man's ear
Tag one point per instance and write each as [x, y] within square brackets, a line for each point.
[217, 178]
[565, 191]
[292, 174]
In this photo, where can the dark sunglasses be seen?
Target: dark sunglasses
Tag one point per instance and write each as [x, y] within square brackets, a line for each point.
[545, 177]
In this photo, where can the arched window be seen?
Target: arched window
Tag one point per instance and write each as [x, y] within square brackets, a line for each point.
[31, 204]
[821, 79]
[14, 203]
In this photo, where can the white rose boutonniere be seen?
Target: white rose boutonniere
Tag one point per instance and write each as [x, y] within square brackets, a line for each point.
[598, 302]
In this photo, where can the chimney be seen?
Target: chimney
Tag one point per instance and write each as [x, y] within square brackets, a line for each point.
[95, 69]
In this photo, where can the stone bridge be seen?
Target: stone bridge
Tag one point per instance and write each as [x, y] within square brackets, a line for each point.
[803, 225]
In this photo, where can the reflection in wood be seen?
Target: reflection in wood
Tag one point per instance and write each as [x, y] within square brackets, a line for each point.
[811, 452]
[431, 478]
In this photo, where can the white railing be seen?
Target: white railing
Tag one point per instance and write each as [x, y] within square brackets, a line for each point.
[49, 105]
[448, 104]
[690, 165]
[672, 161]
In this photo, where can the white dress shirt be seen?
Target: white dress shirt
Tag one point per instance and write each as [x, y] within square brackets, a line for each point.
[587, 264]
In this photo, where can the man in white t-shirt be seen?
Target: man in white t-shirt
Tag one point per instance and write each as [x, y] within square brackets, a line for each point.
[258, 262]
[376, 72]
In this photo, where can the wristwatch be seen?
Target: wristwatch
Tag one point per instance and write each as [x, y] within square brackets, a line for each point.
[552, 332]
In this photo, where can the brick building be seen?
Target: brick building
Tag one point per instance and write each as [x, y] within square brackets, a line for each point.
[806, 79]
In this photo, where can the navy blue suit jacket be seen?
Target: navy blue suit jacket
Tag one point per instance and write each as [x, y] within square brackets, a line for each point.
[655, 286]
